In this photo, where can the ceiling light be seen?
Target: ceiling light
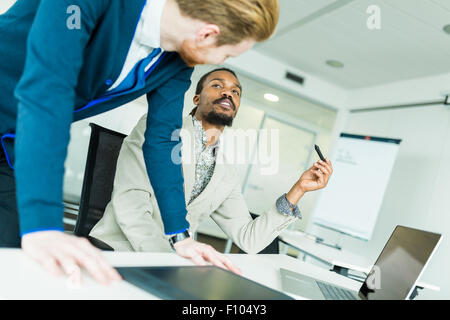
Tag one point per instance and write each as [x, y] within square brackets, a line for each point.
[334, 63]
[271, 97]
[447, 29]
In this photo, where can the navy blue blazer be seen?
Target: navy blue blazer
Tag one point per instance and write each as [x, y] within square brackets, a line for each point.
[49, 73]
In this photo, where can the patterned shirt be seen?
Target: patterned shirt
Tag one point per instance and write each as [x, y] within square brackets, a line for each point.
[205, 157]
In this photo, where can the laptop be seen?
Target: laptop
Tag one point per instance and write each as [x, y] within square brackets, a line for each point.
[197, 283]
[393, 277]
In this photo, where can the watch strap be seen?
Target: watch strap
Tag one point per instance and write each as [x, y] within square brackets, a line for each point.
[178, 237]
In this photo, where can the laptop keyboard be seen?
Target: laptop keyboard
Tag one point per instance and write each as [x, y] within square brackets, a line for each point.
[334, 293]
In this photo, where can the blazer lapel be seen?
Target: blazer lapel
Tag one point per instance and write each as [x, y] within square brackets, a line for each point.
[188, 157]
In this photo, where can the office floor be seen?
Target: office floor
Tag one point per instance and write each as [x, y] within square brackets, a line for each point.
[216, 243]
[219, 245]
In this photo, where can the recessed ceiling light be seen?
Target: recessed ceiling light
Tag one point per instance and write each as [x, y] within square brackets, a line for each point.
[334, 63]
[271, 97]
[447, 29]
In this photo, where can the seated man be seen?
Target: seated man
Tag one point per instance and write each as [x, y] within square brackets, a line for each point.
[132, 221]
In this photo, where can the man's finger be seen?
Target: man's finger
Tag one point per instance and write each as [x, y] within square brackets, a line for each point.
[92, 267]
[322, 168]
[231, 266]
[84, 260]
[67, 263]
[198, 260]
[221, 261]
[72, 271]
[49, 263]
[212, 257]
[328, 166]
[319, 175]
[96, 254]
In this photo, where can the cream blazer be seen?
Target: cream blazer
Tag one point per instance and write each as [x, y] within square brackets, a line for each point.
[132, 220]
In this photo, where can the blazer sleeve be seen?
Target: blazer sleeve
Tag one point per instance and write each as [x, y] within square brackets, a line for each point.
[250, 235]
[165, 114]
[45, 94]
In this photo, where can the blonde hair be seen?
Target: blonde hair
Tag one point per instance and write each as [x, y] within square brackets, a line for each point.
[238, 20]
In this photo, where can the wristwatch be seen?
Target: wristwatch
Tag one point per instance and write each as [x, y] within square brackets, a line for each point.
[178, 237]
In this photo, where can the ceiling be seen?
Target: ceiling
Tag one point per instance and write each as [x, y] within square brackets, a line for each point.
[410, 44]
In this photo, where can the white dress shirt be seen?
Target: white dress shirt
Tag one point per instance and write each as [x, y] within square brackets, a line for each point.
[146, 38]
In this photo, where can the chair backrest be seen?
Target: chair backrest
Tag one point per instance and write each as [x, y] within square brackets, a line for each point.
[104, 148]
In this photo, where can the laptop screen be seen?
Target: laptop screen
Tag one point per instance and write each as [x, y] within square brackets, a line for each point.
[400, 264]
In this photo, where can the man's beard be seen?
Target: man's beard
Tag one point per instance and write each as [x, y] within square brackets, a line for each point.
[219, 119]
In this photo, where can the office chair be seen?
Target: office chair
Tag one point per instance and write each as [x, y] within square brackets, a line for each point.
[104, 148]
[272, 248]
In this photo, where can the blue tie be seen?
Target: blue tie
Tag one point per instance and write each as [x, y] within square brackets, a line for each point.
[136, 77]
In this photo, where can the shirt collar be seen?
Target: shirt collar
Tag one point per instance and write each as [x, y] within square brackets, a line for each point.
[151, 23]
[202, 133]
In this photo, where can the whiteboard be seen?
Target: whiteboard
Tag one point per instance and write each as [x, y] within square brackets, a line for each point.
[351, 201]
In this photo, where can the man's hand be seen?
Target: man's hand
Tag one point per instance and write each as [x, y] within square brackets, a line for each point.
[314, 178]
[201, 253]
[60, 253]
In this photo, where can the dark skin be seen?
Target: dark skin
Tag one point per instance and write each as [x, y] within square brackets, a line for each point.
[222, 93]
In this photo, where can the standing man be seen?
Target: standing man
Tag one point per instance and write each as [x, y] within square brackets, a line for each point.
[66, 60]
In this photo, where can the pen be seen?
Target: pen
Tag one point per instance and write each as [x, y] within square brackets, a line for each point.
[319, 152]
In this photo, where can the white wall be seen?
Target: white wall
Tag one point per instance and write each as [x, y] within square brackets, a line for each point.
[417, 194]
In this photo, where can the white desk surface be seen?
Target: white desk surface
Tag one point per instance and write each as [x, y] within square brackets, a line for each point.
[22, 278]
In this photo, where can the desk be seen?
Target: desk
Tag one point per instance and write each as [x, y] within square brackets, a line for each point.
[22, 278]
[340, 260]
